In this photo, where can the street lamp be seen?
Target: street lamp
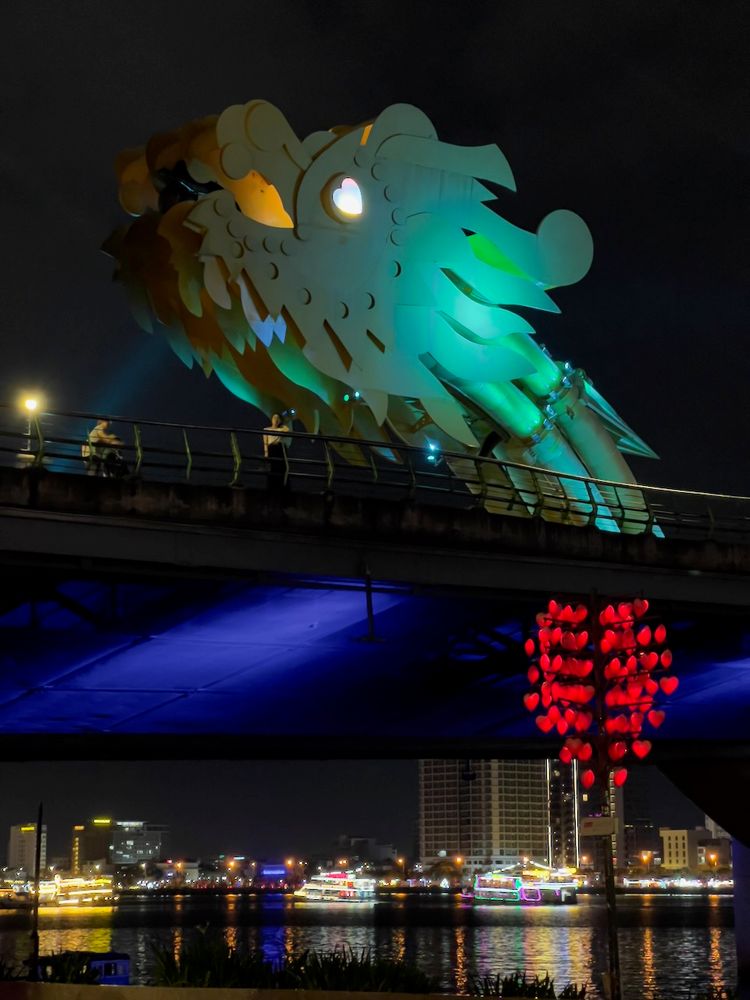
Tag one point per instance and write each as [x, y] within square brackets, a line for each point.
[646, 857]
[713, 858]
[29, 405]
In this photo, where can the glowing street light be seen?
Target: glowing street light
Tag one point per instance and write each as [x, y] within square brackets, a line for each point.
[31, 404]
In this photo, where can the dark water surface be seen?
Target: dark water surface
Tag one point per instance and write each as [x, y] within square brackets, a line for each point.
[670, 947]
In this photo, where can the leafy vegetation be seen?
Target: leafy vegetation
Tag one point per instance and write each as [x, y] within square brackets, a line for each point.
[520, 985]
[9, 972]
[207, 960]
[67, 967]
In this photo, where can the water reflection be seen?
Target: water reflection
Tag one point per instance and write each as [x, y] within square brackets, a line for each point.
[670, 947]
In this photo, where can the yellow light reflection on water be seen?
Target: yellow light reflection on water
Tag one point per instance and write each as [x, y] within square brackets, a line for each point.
[460, 964]
[715, 964]
[648, 973]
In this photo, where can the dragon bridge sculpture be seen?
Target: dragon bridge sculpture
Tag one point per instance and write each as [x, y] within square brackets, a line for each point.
[360, 277]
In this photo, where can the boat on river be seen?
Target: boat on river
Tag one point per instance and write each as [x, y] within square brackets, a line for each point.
[337, 887]
[524, 885]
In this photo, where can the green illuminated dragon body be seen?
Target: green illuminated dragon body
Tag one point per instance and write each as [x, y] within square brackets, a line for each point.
[359, 277]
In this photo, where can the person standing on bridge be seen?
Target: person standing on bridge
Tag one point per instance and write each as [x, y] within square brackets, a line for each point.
[273, 450]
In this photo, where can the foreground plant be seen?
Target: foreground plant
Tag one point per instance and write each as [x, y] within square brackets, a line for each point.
[207, 960]
[67, 967]
[518, 984]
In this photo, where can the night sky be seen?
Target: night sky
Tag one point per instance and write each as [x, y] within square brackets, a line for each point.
[631, 114]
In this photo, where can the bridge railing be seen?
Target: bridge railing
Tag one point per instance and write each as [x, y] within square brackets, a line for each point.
[231, 456]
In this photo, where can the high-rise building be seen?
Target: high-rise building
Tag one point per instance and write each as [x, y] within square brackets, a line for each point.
[592, 804]
[104, 841]
[564, 814]
[22, 848]
[135, 841]
[496, 812]
[91, 844]
[717, 832]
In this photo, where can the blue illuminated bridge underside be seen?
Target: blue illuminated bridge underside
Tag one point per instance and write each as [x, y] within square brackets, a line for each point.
[116, 646]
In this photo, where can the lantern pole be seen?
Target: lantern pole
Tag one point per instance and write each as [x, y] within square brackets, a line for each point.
[34, 969]
[612, 984]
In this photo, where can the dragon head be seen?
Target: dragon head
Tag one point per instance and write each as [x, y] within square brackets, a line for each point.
[357, 275]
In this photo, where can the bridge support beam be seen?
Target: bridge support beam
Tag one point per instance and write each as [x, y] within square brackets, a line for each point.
[741, 866]
[716, 787]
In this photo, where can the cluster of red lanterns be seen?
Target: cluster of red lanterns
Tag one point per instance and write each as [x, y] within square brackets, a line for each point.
[594, 679]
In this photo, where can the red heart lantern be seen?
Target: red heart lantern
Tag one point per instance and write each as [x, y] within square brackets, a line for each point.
[634, 690]
[620, 679]
[623, 724]
[636, 722]
[669, 685]
[582, 721]
[644, 636]
[612, 669]
[531, 700]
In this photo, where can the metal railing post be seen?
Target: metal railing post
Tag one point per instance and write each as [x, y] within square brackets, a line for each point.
[188, 456]
[236, 458]
[138, 449]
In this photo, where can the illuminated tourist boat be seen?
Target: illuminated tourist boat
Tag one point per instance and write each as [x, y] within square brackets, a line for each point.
[526, 886]
[337, 887]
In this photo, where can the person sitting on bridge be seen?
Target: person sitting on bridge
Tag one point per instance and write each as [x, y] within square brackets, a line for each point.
[100, 452]
[273, 450]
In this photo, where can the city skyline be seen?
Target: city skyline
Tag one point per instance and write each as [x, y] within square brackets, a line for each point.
[305, 809]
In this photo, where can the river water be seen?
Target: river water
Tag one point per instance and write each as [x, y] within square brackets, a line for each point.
[670, 947]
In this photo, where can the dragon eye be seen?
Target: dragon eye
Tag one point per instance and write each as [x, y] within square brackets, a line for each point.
[346, 198]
